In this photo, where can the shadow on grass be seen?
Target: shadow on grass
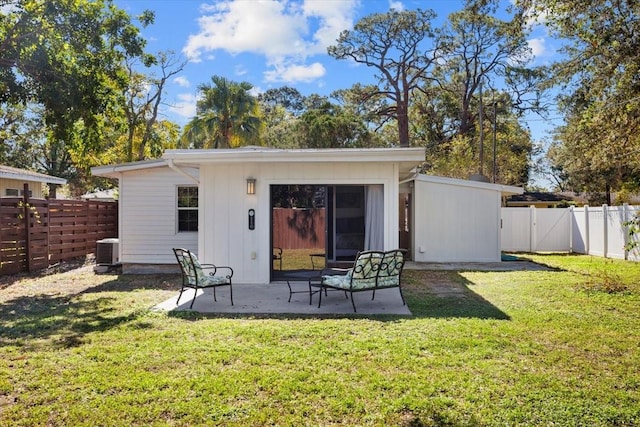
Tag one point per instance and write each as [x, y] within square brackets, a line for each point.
[447, 294]
[62, 321]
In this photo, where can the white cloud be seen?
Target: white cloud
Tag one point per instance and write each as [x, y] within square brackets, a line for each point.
[397, 5]
[537, 46]
[240, 70]
[283, 31]
[295, 73]
[332, 17]
[186, 105]
[182, 81]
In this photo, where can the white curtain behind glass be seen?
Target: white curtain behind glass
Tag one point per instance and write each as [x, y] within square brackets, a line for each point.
[373, 217]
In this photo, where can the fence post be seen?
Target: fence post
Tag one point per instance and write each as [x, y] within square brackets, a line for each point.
[605, 230]
[625, 229]
[571, 216]
[586, 229]
[27, 231]
[532, 229]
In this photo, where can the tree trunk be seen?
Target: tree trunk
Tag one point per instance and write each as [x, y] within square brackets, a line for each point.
[403, 125]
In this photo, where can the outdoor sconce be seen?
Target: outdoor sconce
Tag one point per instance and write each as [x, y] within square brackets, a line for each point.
[251, 186]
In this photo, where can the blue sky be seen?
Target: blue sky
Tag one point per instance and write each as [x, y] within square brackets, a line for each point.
[275, 43]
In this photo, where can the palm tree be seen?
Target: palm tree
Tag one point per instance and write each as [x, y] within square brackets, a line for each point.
[227, 116]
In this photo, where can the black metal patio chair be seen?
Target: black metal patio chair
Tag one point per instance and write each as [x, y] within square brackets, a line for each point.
[194, 276]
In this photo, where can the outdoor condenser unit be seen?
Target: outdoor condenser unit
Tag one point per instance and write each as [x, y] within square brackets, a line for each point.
[107, 252]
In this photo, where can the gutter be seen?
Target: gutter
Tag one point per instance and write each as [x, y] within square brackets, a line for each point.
[182, 172]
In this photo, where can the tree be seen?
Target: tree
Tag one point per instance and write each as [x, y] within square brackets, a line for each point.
[288, 98]
[330, 126]
[280, 109]
[390, 43]
[20, 127]
[477, 48]
[227, 116]
[456, 156]
[598, 147]
[143, 98]
[66, 56]
[482, 64]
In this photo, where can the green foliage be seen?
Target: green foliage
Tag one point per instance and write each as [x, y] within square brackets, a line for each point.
[330, 126]
[457, 156]
[227, 116]
[633, 233]
[597, 147]
[65, 60]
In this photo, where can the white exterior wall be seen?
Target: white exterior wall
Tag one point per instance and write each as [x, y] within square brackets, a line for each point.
[148, 216]
[455, 223]
[224, 237]
[35, 187]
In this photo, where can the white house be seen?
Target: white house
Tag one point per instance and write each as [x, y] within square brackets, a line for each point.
[218, 204]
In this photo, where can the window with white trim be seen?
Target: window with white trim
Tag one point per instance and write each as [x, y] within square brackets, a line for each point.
[187, 208]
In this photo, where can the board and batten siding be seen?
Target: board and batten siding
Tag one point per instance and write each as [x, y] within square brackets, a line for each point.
[225, 238]
[148, 216]
[455, 222]
[35, 187]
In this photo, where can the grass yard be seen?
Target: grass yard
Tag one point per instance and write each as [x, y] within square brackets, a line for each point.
[558, 347]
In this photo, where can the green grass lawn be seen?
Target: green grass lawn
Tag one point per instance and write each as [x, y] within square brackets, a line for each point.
[559, 347]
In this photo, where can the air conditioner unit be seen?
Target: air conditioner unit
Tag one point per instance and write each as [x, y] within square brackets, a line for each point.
[107, 252]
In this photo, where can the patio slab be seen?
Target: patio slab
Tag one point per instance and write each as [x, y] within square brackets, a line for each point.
[273, 298]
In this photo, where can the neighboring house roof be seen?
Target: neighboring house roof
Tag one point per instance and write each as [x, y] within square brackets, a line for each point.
[104, 195]
[9, 172]
[532, 197]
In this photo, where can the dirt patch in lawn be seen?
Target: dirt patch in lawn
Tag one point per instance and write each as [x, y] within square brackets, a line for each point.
[443, 284]
[76, 277]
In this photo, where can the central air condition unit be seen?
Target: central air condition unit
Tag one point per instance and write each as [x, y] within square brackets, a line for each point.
[107, 252]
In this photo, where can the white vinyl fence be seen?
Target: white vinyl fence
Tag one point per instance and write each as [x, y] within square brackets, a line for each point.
[598, 231]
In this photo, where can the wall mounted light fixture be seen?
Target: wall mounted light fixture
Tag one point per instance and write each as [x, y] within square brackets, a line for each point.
[251, 186]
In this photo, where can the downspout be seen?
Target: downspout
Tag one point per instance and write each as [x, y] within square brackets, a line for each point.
[182, 172]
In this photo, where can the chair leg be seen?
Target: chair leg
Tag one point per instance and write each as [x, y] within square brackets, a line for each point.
[214, 294]
[401, 296]
[231, 293]
[374, 294]
[353, 303]
[179, 296]
[320, 295]
[195, 294]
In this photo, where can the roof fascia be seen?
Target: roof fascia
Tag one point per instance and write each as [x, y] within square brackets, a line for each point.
[504, 189]
[342, 155]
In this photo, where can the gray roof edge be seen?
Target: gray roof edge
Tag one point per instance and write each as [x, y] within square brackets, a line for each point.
[504, 189]
[113, 170]
[10, 172]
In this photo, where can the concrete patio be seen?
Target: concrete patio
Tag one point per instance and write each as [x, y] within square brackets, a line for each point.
[273, 298]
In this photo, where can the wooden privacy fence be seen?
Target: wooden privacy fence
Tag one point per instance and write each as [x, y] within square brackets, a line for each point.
[298, 228]
[36, 233]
